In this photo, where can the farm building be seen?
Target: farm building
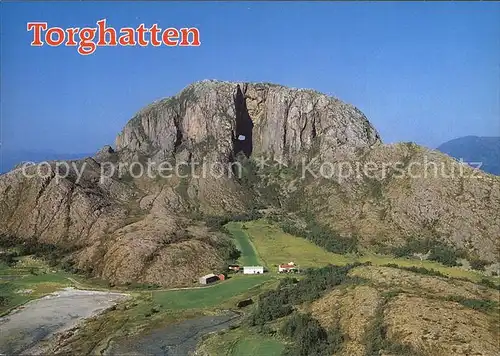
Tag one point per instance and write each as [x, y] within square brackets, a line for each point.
[209, 278]
[234, 268]
[253, 269]
[287, 267]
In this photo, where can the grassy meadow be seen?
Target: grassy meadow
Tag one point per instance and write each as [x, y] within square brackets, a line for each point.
[242, 342]
[275, 247]
[249, 256]
[260, 242]
[28, 279]
[211, 296]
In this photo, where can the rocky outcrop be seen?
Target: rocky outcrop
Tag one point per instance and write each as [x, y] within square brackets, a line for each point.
[406, 191]
[415, 315]
[291, 123]
[287, 123]
[37, 202]
[114, 232]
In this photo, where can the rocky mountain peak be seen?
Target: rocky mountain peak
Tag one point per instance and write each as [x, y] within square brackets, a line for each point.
[250, 117]
[126, 228]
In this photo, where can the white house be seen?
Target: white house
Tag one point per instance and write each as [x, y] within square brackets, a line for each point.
[253, 269]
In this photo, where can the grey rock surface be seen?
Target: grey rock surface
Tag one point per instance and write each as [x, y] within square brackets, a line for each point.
[286, 122]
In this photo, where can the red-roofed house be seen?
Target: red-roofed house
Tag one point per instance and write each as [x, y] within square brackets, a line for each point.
[287, 267]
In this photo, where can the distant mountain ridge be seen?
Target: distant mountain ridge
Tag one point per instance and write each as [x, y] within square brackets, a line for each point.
[475, 149]
[9, 159]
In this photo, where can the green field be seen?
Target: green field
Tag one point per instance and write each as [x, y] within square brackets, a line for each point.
[28, 279]
[249, 256]
[257, 345]
[208, 297]
[216, 295]
[275, 247]
[242, 342]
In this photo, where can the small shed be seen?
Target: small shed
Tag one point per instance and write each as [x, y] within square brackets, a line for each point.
[209, 278]
[222, 277]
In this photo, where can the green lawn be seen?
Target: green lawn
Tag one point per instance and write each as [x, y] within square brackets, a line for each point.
[454, 272]
[28, 279]
[248, 256]
[257, 345]
[210, 296]
[275, 247]
[242, 342]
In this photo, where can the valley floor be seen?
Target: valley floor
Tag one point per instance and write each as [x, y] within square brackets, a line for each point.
[178, 321]
[359, 305]
[276, 247]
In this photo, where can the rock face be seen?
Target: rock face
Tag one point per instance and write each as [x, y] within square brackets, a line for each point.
[37, 203]
[120, 232]
[127, 227]
[290, 123]
[278, 121]
[429, 195]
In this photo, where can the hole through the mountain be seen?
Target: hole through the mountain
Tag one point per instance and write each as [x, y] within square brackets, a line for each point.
[242, 139]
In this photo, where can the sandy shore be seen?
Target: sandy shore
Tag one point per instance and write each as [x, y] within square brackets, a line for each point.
[26, 327]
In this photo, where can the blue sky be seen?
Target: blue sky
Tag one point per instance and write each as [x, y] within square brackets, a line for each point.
[423, 72]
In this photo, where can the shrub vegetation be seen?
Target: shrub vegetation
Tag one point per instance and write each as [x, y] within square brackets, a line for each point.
[309, 337]
[53, 254]
[280, 302]
[478, 264]
[438, 250]
[322, 236]
[420, 270]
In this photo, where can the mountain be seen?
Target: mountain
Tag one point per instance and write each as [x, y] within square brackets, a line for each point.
[11, 158]
[474, 149]
[226, 149]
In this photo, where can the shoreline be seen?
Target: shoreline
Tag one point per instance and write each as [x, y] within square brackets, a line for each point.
[33, 325]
